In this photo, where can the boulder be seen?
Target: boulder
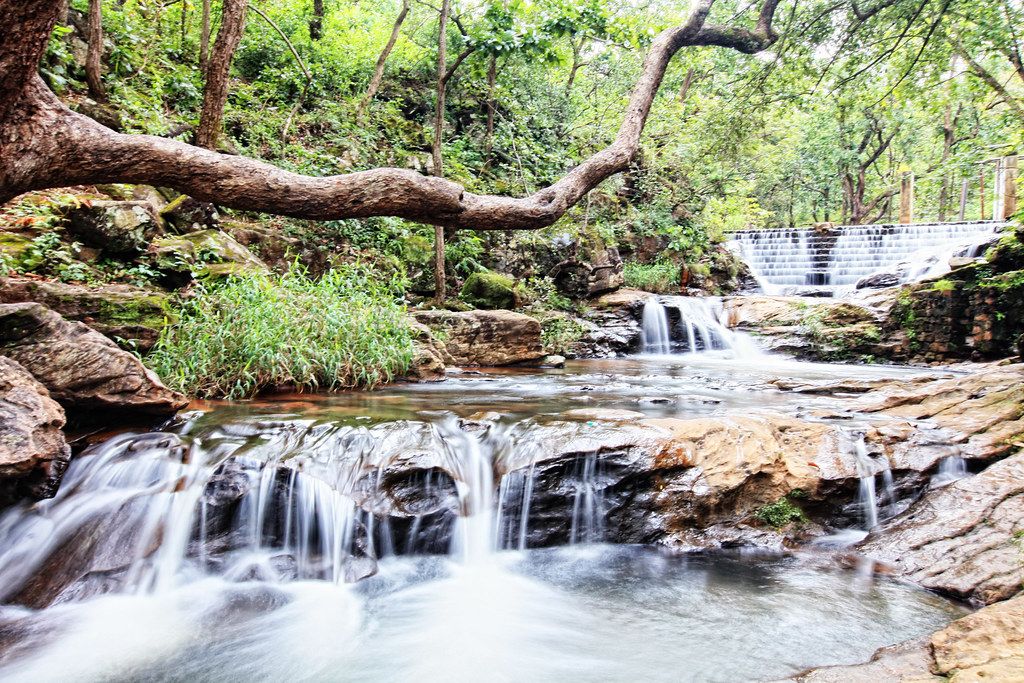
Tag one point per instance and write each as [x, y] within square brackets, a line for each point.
[121, 312]
[83, 370]
[33, 453]
[615, 318]
[185, 214]
[116, 227]
[579, 279]
[961, 539]
[488, 338]
[490, 291]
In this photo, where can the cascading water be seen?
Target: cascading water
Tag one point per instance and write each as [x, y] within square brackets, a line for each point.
[868, 497]
[951, 468]
[835, 259]
[700, 327]
[654, 333]
[315, 546]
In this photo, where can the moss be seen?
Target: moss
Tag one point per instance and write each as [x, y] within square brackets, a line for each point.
[14, 244]
[944, 285]
[490, 291]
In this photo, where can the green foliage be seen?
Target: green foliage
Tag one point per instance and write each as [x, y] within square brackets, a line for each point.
[261, 331]
[661, 277]
[944, 285]
[559, 332]
[781, 512]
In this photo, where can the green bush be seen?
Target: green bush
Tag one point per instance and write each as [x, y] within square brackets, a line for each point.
[261, 330]
[656, 277]
[490, 290]
[781, 512]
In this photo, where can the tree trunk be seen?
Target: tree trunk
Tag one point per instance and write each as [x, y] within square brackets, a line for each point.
[492, 105]
[948, 138]
[93, 66]
[685, 89]
[204, 39]
[440, 282]
[46, 145]
[316, 24]
[215, 92]
[378, 69]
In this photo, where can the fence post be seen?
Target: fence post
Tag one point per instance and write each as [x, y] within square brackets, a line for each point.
[907, 198]
[1008, 191]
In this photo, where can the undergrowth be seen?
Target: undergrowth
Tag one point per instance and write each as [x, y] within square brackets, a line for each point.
[263, 331]
[660, 278]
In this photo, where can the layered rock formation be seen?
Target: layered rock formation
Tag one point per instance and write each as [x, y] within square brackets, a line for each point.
[485, 338]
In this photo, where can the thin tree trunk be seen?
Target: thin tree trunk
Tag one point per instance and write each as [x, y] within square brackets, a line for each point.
[93, 66]
[948, 135]
[440, 283]
[492, 105]
[378, 69]
[204, 39]
[215, 92]
[316, 24]
[184, 24]
[298, 60]
[577, 64]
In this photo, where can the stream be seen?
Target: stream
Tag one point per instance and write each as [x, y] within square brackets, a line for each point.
[418, 533]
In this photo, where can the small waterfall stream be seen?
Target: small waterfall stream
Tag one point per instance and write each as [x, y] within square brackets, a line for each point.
[700, 327]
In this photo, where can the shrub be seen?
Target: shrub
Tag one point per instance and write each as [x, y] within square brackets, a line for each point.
[781, 512]
[656, 277]
[260, 331]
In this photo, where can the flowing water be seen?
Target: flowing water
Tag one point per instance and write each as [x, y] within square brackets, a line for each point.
[684, 324]
[389, 536]
[835, 259]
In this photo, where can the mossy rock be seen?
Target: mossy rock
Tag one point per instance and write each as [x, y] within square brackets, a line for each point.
[186, 214]
[490, 291]
[206, 253]
[121, 312]
[14, 244]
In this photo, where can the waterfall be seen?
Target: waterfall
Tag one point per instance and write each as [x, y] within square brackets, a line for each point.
[951, 468]
[654, 328]
[588, 503]
[701, 327]
[835, 259]
[868, 499]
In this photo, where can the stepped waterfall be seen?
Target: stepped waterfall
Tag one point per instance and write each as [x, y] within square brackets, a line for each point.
[835, 259]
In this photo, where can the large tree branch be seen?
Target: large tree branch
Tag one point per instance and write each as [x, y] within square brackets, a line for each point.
[56, 147]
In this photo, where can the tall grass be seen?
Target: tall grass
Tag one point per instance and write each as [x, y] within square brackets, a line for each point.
[655, 277]
[261, 331]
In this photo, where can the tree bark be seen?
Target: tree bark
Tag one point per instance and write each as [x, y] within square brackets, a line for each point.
[47, 145]
[378, 69]
[204, 39]
[440, 281]
[215, 92]
[316, 24]
[93, 65]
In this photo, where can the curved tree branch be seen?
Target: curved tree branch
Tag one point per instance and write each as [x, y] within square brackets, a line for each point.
[43, 144]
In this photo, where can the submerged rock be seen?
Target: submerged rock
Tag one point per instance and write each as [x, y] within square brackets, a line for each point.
[487, 338]
[33, 453]
[83, 370]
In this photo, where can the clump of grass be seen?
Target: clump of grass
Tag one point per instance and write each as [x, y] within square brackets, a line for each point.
[262, 330]
[660, 278]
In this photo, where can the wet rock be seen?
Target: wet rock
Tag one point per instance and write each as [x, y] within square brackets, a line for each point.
[616, 321]
[120, 312]
[487, 338]
[878, 281]
[961, 539]
[83, 370]
[120, 228]
[983, 412]
[33, 453]
[906, 662]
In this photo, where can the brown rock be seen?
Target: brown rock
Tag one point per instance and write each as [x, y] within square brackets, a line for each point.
[987, 645]
[83, 370]
[33, 453]
[488, 338]
[961, 539]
